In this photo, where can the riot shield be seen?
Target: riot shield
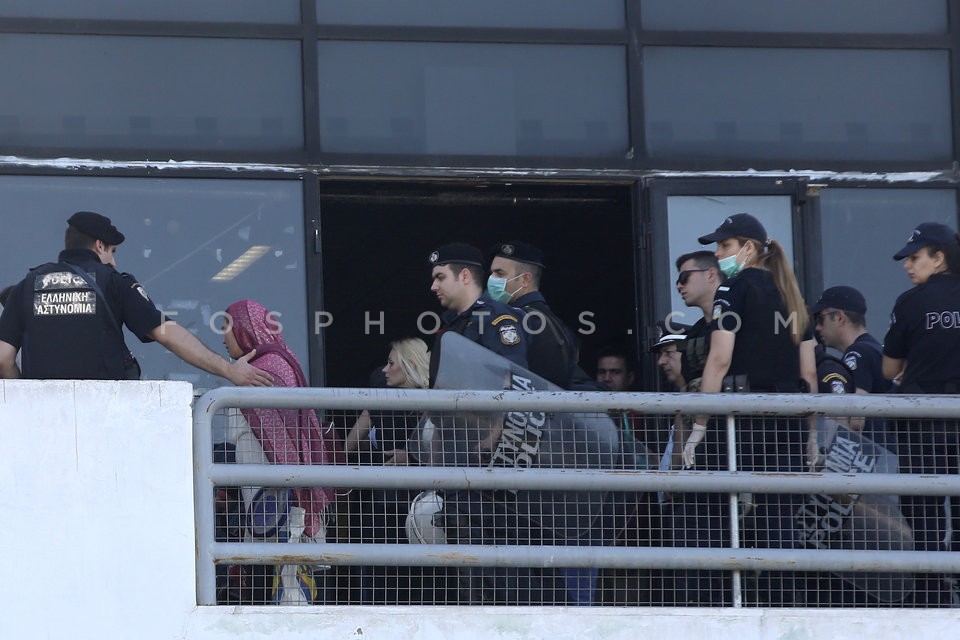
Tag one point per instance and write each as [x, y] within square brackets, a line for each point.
[522, 440]
[860, 522]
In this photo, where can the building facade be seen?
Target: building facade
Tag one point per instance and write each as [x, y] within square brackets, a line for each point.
[309, 154]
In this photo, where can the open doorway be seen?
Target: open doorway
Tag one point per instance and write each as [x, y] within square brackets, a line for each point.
[376, 237]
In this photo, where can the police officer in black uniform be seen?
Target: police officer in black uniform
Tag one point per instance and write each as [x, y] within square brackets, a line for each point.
[922, 346]
[840, 317]
[457, 280]
[515, 274]
[64, 317]
[761, 341]
[474, 517]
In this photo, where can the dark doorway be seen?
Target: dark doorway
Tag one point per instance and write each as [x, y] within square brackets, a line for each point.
[375, 239]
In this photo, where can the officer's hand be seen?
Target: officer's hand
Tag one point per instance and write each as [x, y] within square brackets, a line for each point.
[244, 374]
[690, 448]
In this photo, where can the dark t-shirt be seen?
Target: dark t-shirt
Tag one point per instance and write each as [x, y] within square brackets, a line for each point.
[865, 359]
[925, 331]
[750, 305]
[551, 353]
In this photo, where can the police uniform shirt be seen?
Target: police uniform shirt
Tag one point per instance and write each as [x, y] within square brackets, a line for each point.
[750, 305]
[489, 323]
[925, 331]
[60, 324]
[550, 353]
[832, 375]
[694, 351]
[864, 357]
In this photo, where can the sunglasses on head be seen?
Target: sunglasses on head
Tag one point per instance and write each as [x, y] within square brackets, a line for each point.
[683, 276]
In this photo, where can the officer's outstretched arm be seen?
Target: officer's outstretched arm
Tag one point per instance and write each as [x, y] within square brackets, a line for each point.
[8, 361]
[192, 351]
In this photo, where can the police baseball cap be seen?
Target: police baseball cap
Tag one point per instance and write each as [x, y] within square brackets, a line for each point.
[96, 226]
[843, 298]
[519, 251]
[926, 234]
[459, 252]
[668, 333]
[739, 225]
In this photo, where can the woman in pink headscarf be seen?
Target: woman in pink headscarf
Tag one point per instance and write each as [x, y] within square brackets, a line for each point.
[288, 436]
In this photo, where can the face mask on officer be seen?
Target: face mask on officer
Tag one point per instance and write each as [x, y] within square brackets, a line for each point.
[498, 288]
[730, 266]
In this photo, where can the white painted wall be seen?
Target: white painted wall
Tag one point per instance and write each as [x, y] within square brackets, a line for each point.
[96, 528]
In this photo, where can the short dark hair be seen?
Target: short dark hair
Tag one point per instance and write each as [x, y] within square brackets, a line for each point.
[535, 271]
[475, 271]
[856, 318]
[618, 351]
[75, 239]
[703, 260]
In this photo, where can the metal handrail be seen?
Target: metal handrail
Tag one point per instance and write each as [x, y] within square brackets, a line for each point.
[209, 475]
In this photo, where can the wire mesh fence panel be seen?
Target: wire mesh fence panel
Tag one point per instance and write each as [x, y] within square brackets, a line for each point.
[647, 510]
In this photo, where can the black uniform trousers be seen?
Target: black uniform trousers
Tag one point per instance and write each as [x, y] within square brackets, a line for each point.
[932, 447]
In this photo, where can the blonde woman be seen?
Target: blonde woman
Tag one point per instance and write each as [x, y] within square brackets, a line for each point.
[384, 432]
[375, 438]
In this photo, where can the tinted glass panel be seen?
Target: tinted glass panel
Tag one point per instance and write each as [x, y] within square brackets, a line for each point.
[812, 16]
[797, 103]
[147, 93]
[274, 11]
[573, 14]
[477, 99]
[863, 228]
[180, 233]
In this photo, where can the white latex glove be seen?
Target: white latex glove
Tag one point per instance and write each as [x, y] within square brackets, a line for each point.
[814, 457]
[690, 447]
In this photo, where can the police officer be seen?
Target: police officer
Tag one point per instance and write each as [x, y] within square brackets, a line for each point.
[457, 281]
[840, 316]
[922, 346]
[698, 277]
[64, 317]
[761, 340]
[515, 274]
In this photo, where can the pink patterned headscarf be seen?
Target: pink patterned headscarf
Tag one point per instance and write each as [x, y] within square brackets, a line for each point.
[288, 436]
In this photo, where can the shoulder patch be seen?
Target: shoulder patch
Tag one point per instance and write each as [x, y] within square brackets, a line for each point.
[509, 335]
[851, 361]
[505, 316]
[717, 311]
[837, 386]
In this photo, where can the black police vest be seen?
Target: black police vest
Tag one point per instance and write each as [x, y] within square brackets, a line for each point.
[67, 331]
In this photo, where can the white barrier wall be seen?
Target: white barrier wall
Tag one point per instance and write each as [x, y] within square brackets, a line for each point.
[97, 531]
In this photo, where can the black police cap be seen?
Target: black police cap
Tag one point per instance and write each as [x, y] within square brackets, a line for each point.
[843, 298]
[459, 252]
[96, 226]
[926, 234]
[739, 225]
[519, 251]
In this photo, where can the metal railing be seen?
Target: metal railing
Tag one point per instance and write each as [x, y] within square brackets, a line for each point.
[209, 476]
